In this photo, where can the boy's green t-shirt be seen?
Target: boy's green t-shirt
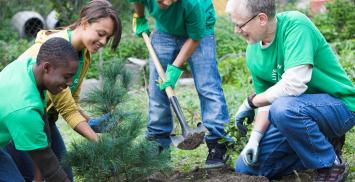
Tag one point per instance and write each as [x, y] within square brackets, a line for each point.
[186, 18]
[21, 107]
[298, 42]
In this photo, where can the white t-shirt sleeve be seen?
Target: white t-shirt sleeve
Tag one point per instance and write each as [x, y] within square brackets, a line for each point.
[293, 83]
[264, 108]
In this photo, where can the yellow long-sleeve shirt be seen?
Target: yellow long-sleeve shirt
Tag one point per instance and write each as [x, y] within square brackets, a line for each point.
[66, 102]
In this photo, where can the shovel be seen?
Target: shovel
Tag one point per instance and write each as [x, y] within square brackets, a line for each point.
[190, 138]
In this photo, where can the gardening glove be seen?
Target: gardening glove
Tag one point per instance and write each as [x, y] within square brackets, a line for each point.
[95, 123]
[251, 150]
[245, 111]
[140, 25]
[172, 75]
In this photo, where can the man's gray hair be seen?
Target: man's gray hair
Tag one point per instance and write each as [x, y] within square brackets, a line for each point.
[252, 7]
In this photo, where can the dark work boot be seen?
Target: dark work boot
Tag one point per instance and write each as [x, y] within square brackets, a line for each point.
[336, 173]
[216, 155]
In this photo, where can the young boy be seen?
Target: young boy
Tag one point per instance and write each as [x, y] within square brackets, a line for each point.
[23, 87]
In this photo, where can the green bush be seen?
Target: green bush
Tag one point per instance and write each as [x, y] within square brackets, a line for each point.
[345, 50]
[7, 33]
[339, 21]
[132, 47]
[11, 50]
[227, 41]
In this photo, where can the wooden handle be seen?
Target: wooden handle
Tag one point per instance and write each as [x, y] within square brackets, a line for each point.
[169, 91]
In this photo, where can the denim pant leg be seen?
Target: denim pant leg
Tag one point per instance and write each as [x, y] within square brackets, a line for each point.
[208, 83]
[22, 160]
[8, 170]
[59, 148]
[308, 121]
[160, 122]
[276, 157]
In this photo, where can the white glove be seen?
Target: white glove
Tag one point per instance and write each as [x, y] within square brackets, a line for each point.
[251, 150]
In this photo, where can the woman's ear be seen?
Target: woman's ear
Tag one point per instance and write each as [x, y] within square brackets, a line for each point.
[84, 24]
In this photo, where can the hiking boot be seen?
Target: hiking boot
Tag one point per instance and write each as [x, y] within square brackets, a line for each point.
[216, 155]
[336, 173]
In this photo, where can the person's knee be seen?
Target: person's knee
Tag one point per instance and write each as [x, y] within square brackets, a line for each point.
[261, 170]
[282, 108]
[241, 167]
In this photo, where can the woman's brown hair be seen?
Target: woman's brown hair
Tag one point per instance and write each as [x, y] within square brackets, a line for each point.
[96, 10]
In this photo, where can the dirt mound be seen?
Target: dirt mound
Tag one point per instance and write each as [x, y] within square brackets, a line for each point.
[206, 175]
[223, 175]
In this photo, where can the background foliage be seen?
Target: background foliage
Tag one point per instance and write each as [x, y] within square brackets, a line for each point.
[338, 24]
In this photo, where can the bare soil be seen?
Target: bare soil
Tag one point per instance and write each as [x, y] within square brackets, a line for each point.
[223, 175]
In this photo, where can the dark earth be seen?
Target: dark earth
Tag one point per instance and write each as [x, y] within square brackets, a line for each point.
[223, 175]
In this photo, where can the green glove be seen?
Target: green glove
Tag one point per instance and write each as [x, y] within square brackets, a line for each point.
[172, 75]
[140, 25]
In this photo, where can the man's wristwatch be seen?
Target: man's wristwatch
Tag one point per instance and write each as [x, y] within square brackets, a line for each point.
[250, 101]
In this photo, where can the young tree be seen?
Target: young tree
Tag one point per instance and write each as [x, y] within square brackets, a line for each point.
[123, 154]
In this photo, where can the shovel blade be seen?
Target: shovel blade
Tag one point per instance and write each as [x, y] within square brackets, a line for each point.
[190, 141]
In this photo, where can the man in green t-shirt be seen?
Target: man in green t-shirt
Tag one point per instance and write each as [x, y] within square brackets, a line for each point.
[304, 98]
[184, 31]
[22, 107]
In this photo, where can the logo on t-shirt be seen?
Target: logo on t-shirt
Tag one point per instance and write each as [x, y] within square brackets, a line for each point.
[276, 71]
[274, 74]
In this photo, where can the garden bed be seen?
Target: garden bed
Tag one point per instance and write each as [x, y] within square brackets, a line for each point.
[222, 175]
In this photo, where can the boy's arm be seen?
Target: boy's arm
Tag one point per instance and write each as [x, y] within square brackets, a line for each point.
[47, 162]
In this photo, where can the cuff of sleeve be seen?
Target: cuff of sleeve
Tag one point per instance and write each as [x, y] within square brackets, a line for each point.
[264, 109]
[256, 136]
[272, 93]
[74, 119]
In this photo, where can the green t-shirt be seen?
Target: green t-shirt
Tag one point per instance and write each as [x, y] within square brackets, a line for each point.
[21, 107]
[298, 42]
[186, 18]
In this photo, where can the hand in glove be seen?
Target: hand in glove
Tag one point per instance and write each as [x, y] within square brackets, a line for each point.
[251, 150]
[172, 75]
[245, 111]
[140, 25]
[95, 123]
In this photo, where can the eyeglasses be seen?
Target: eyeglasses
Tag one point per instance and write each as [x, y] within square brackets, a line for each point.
[242, 25]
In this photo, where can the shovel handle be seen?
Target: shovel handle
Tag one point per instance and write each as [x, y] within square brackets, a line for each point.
[169, 91]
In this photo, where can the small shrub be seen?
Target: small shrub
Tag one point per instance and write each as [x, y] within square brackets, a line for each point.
[11, 50]
[339, 21]
[227, 41]
[123, 154]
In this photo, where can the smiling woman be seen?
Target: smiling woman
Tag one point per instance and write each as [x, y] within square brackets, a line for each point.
[97, 24]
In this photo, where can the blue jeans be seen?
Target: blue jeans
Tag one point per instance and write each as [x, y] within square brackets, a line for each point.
[24, 162]
[8, 169]
[204, 70]
[299, 133]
